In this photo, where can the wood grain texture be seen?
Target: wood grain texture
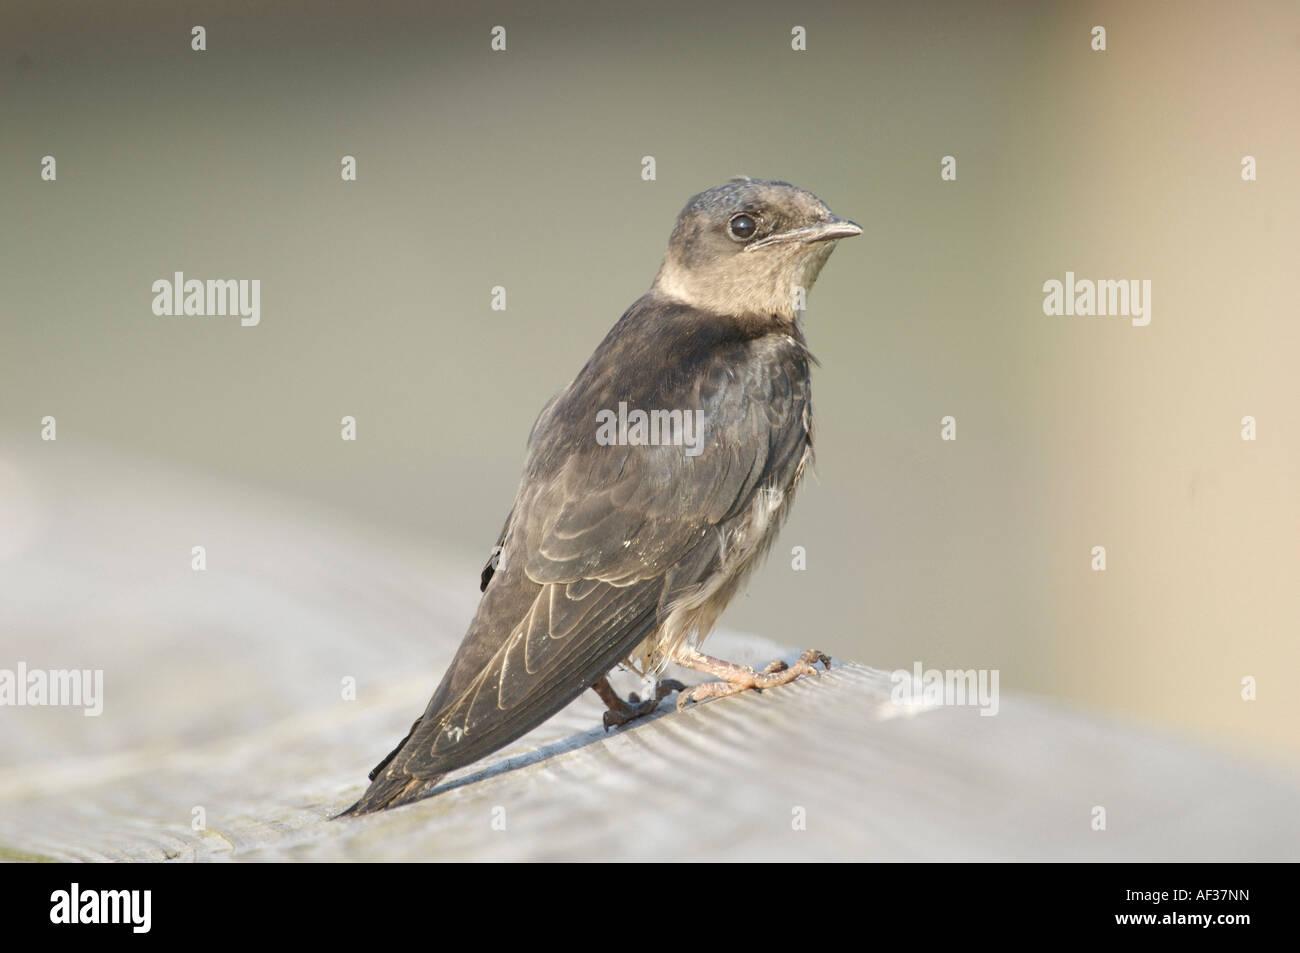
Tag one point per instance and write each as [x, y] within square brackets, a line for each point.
[223, 692]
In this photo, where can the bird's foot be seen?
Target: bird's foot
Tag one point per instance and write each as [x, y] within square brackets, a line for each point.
[620, 712]
[741, 678]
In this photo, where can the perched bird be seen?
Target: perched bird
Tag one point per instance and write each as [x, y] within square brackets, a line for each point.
[626, 542]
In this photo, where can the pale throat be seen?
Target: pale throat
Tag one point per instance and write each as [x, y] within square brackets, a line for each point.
[778, 283]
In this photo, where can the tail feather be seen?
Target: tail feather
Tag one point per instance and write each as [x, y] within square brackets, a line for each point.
[389, 792]
[393, 754]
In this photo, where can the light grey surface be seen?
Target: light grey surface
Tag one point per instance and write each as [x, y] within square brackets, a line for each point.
[223, 691]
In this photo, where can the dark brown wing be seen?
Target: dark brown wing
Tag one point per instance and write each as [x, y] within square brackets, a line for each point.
[603, 538]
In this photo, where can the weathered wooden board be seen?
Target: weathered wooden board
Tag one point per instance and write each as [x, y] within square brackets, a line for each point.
[223, 693]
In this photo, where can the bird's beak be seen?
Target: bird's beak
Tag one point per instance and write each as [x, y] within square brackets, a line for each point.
[831, 230]
[835, 229]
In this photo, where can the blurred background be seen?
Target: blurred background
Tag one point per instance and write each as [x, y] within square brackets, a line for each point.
[523, 169]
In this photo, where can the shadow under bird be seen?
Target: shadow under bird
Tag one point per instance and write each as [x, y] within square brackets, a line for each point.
[626, 548]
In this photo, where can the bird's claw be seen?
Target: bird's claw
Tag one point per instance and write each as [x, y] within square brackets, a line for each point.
[812, 657]
[773, 674]
[635, 707]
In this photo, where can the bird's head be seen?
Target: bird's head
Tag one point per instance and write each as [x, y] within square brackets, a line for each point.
[747, 246]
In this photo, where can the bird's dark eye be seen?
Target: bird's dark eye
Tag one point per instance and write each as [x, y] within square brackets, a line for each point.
[743, 226]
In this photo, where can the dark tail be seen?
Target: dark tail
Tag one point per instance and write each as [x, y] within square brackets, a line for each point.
[390, 792]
